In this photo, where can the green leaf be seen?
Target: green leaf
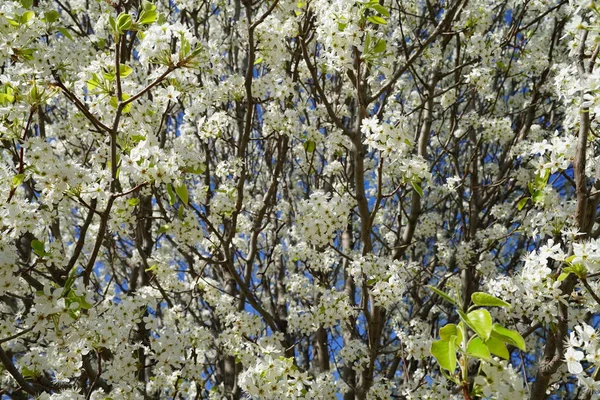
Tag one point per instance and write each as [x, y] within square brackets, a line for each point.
[578, 269]
[417, 188]
[138, 138]
[133, 201]
[29, 374]
[198, 170]
[449, 330]
[380, 46]
[6, 98]
[380, 9]
[182, 193]
[113, 23]
[444, 352]
[478, 349]
[563, 276]
[487, 300]
[481, 322]
[309, 146]
[69, 283]
[171, 194]
[508, 336]
[64, 32]
[124, 22]
[185, 47]
[18, 179]
[147, 17]
[441, 294]
[114, 102]
[127, 107]
[26, 3]
[51, 16]
[152, 268]
[26, 17]
[94, 83]
[497, 347]
[521, 204]
[376, 20]
[80, 300]
[148, 6]
[164, 229]
[124, 70]
[38, 247]
[542, 180]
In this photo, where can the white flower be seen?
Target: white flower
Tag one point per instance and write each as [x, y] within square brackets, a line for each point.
[572, 357]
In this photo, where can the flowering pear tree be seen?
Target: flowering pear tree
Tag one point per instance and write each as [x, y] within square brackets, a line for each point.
[313, 199]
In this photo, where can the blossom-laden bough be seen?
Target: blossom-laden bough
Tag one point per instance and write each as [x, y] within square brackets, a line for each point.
[299, 199]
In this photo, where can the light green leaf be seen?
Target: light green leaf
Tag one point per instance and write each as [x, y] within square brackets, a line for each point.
[93, 84]
[579, 270]
[542, 180]
[521, 204]
[198, 170]
[309, 146]
[124, 70]
[478, 349]
[114, 102]
[508, 336]
[133, 201]
[18, 179]
[148, 6]
[182, 193]
[563, 276]
[487, 300]
[26, 3]
[64, 32]
[171, 194]
[152, 268]
[147, 17]
[449, 330]
[51, 16]
[26, 17]
[380, 46]
[417, 188]
[6, 98]
[481, 322]
[380, 9]
[124, 22]
[29, 374]
[497, 347]
[441, 294]
[38, 247]
[113, 23]
[376, 20]
[444, 352]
